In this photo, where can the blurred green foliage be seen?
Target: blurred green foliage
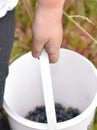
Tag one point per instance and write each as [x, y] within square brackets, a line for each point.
[74, 38]
[95, 121]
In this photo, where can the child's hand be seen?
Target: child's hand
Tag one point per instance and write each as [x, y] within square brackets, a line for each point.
[47, 31]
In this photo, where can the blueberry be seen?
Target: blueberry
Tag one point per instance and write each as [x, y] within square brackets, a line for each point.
[37, 118]
[27, 117]
[40, 109]
[60, 118]
[76, 112]
[58, 107]
[69, 116]
[70, 110]
[43, 119]
[62, 114]
[31, 118]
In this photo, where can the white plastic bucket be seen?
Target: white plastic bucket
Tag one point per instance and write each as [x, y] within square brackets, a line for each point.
[74, 80]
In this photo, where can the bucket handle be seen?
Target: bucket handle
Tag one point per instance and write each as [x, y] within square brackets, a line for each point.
[47, 89]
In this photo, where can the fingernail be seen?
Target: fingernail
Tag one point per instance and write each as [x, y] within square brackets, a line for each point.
[35, 54]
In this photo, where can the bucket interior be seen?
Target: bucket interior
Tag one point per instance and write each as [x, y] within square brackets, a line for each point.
[73, 78]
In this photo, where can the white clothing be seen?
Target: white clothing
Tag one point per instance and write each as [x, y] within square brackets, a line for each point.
[7, 5]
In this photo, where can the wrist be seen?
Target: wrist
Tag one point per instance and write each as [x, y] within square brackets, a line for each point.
[49, 4]
[52, 14]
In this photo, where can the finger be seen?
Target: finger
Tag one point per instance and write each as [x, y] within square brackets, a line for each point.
[53, 45]
[53, 57]
[37, 47]
[53, 51]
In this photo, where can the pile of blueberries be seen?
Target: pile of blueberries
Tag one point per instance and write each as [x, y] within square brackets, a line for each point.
[62, 114]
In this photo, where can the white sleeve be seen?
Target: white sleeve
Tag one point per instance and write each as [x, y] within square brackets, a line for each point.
[6, 5]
